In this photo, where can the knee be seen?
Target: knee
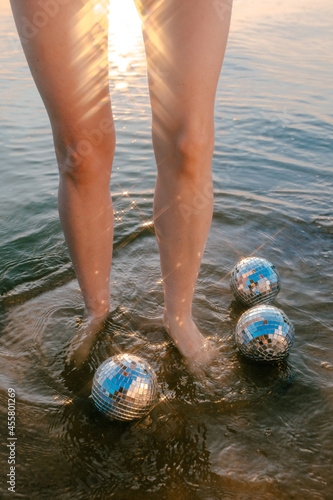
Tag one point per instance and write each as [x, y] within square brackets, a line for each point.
[85, 160]
[194, 142]
[192, 146]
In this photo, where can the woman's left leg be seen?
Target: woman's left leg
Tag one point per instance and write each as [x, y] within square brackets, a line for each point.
[185, 43]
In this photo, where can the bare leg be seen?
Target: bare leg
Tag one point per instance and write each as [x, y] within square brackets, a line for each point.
[65, 42]
[185, 44]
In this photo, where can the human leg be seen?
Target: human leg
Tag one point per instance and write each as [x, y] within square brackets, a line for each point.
[65, 42]
[185, 42]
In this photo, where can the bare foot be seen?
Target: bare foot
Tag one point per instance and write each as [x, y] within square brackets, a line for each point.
[188, 340]
[82, 342]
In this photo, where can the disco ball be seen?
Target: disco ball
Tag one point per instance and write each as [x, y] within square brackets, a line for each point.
[264, 333]
[254, 280]
[124, 387]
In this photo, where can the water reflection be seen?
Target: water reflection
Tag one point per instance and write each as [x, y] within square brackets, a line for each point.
[161, 451]
[250, 430]
[124, 32]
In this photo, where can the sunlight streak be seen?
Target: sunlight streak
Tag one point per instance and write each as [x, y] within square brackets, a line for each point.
[124, 30]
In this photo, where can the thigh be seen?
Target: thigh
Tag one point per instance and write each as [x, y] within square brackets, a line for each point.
[65, 43]
[185, 43]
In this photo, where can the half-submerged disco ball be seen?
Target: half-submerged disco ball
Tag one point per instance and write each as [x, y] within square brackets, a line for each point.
[124, 387]
[264, 333]
[254, 281]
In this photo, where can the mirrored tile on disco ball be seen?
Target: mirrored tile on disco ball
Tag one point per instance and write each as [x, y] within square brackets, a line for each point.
[264, 333]
[124, 387]
[254, 280]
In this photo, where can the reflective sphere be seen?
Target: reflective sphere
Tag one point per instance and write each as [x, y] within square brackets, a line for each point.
[264, 333]
[124, 387]
[254, 280]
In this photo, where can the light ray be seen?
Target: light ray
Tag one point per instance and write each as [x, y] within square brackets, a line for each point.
[124, 30]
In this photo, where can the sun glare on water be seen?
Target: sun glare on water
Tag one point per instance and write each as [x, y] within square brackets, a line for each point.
[124, 30]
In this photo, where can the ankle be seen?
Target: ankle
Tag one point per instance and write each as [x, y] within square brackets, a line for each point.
[170, 323]
[184, 333]
[178, 318]
[98, 305]
[98, 315]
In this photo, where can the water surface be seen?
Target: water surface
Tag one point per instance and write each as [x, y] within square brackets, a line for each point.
[250, 431]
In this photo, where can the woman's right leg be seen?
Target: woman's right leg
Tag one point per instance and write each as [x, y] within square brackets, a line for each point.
[65, 43]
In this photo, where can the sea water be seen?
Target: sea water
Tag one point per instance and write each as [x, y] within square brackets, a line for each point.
[247, 430]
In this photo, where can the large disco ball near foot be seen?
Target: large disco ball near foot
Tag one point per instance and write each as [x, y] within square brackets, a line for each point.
[124, 387]
[264, 333]
[254, 281]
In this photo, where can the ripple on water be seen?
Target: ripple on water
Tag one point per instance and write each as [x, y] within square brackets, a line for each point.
[244, 430]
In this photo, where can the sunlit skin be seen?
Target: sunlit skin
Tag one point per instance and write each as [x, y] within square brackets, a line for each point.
[185, 42]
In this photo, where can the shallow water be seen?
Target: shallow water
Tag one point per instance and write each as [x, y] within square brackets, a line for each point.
[248, 431]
